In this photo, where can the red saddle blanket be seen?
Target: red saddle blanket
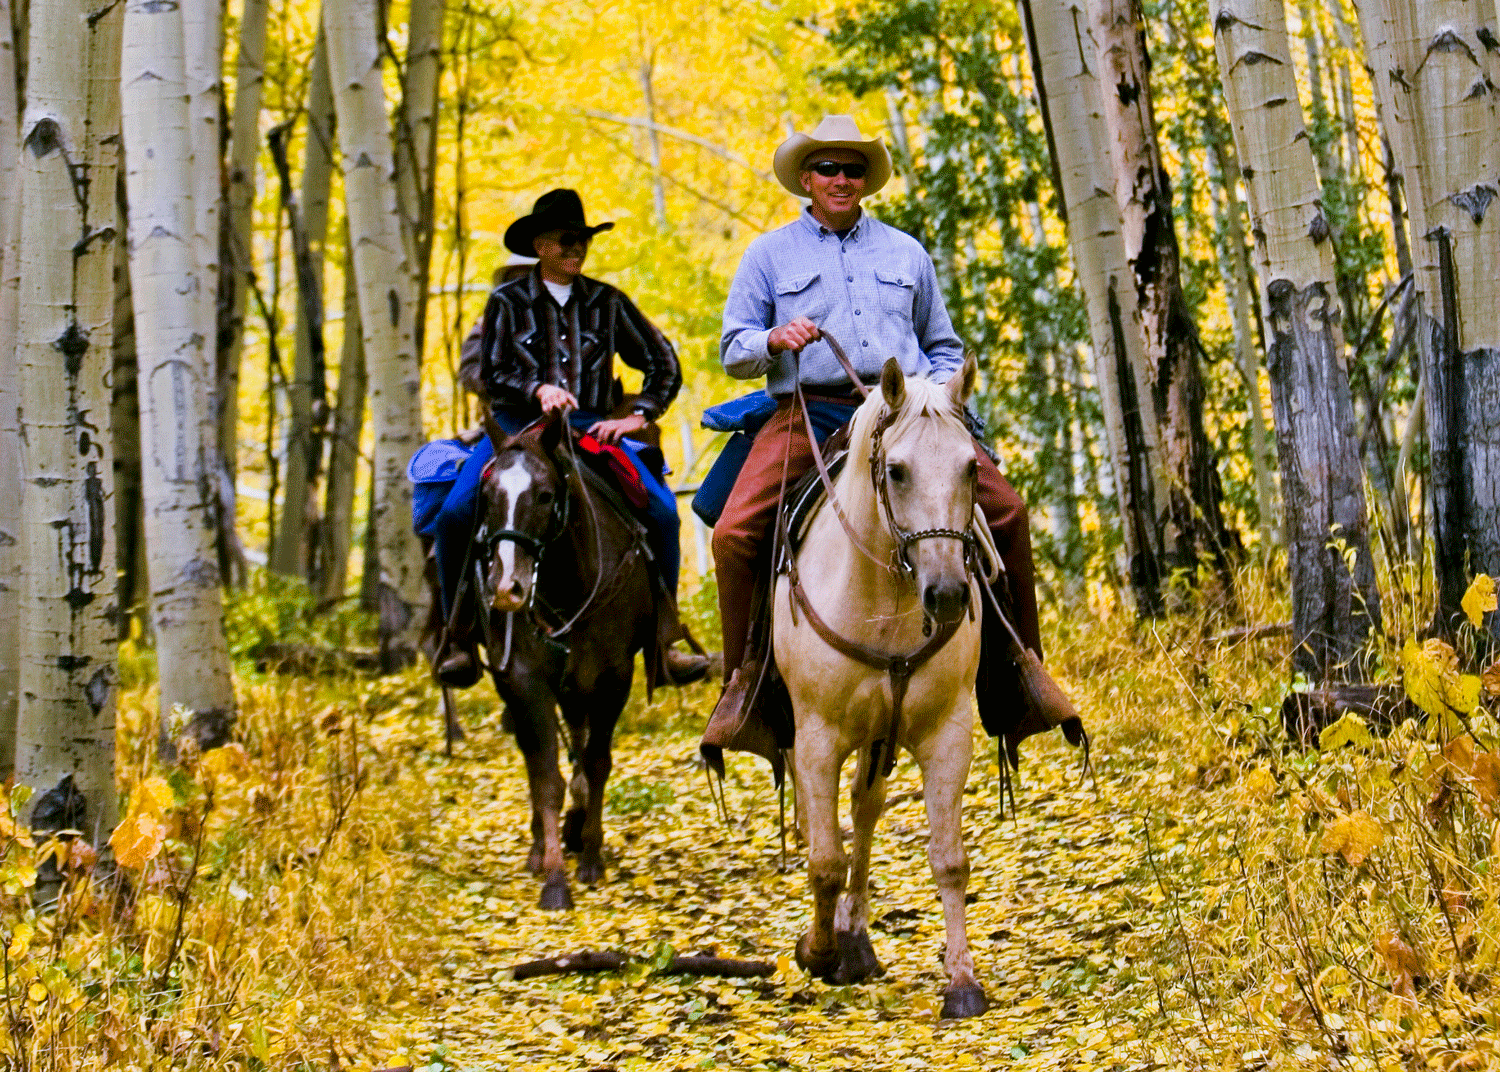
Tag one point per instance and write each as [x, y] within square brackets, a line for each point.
[619, 466]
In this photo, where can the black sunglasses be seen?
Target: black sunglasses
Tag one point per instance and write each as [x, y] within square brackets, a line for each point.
[829, 168]
[573, 238]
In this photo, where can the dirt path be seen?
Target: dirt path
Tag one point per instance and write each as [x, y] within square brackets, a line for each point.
[1054, 921]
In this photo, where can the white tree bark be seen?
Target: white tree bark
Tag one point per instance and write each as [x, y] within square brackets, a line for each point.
[1334, 606]
[1433, 74]
[244, 152]
[382, 278]
[10, 440]
[177, 476]
[65, 731]
[1065, 71]
[416, 150]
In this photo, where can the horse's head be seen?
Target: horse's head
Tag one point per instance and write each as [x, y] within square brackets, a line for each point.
[926, 477]
[524, 496]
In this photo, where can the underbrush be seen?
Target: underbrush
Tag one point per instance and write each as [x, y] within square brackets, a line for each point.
[281, 902]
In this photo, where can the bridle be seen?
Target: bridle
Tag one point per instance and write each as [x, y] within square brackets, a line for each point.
[535, 546]
[905, 541]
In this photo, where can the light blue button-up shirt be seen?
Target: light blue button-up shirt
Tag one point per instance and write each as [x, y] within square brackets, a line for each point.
[875, 291]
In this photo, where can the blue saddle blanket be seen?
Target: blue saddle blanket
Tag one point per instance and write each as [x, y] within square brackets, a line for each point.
[432, 471]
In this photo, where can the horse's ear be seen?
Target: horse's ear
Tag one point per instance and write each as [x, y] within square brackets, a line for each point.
[961, 386]
[497, 435]
[551, 434]
[893, 384]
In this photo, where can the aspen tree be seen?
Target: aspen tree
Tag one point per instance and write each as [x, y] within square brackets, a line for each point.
[1334, 607]
[1064, 71]
[383, 279]
[1433, 66]
[305, 401]
[10, 440]
[65, 728]
[343, 453]
[416, 149]
[178, 480]
[244, 152]
[1144, 197]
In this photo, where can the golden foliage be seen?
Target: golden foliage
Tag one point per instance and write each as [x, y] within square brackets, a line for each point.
[1479, 599]
[1353, 837]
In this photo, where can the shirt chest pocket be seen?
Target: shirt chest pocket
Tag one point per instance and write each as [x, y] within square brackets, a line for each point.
[896, 290]
[800, 296]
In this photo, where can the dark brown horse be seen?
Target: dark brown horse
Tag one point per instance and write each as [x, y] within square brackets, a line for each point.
[565, 575]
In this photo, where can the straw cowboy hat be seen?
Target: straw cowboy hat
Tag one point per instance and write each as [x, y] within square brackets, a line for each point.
[556, 210]
[834, 132]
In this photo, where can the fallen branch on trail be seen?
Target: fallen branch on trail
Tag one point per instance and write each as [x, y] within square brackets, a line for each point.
[1383, 707]
[1253, 632]
[601, 961]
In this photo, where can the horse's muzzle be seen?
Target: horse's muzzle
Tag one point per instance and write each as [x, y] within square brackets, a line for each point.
[510, 598]
[947, 601]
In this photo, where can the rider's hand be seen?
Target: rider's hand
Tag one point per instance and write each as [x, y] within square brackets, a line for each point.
[555, 399]
[612, 432]
[793, 336]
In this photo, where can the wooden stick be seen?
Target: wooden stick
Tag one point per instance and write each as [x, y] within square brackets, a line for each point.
[601, 961]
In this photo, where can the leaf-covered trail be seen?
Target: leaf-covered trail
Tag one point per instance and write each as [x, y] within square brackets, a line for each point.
[1061, 900]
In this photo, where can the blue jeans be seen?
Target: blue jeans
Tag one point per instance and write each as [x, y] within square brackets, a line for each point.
[455, 521]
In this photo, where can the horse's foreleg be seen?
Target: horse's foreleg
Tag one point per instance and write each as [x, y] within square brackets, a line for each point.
[598, 761]
[944, 757]
[857, 960]
[536, 735]
[817, 804]
[578, 785]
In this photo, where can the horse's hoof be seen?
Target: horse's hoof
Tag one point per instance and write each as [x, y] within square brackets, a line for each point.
[962, 1001]
[591, 872]
[556, 897]
[823, 965]
[572, 831]
[857, 959]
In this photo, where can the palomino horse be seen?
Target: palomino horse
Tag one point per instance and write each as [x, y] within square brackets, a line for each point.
[858, 619]
[568, 598]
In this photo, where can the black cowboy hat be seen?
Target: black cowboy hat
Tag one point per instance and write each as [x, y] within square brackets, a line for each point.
[556, 210]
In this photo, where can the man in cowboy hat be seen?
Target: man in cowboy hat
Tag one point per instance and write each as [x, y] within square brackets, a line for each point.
[548, 343]
[873, 289]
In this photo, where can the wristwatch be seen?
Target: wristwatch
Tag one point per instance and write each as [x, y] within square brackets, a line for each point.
[641, 410]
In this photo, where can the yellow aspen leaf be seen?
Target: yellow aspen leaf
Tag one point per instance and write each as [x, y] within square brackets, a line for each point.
[137, 840]
[20, 940]
[37, 992]
[1432, 681]
[1353, 837]
[1479, 599]
[1257, 787]
[227, 762]
[151, 796]
[1350, 729]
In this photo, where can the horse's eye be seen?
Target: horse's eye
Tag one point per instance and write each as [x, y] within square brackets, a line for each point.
[897, 472]
[543, 498]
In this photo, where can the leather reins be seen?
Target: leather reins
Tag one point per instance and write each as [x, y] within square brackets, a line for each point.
[899, 668]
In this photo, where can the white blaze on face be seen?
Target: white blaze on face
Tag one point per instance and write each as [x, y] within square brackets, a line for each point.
[514, 479]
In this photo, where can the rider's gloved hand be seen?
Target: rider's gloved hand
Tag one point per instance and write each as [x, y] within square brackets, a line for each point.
[555, 399]
[793, 336]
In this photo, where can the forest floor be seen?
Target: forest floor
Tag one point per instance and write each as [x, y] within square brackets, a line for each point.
[1213, 897]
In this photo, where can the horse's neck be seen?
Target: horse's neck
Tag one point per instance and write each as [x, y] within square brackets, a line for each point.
[861, 506]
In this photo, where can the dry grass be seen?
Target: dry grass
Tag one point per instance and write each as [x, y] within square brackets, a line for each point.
[333, 892]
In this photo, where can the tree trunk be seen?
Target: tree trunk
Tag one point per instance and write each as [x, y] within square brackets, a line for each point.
[178, 482]
[382, 278]
[416, 151]
[1334, 608]
[1431, 64]
[65, 730]
[1064, 72]
[300, 528]
[131, 591]
[10, 438]
[1143, 194]
[1238, 291]
[244, 151]
[343, 456]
